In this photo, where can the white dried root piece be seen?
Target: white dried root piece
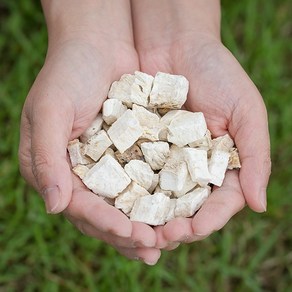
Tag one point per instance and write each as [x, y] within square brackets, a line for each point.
[132, 89]
[125, 131]
[219, 158]
[187, 205]
[234, 161]
[186, 127]
[149, 121]
[158, 189]
[174, 173]
[95, 127]
[75, 150]
[154, 184]
[155, 153]
[107, 178]
[171, 211]
[140, 172]
[127, 198]
[197, 162]
[188, 186]
[80, 170]
[204, 143]
[151, 209]
[168, 91]
[97, 145]
[112, 109]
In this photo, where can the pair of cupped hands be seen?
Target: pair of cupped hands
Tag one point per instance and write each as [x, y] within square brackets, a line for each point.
[68, 94]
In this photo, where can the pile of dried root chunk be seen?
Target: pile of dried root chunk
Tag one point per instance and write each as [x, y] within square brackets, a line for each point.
[147, 156]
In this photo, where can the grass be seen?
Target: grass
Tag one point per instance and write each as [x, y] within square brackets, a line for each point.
[252, 252]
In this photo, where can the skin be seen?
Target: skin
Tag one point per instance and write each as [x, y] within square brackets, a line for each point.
[93, 43]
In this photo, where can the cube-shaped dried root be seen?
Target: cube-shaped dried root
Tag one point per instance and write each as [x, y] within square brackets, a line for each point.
[152, 209]
[155, 153]
[112, 109]
[168, 91]
[95, 127]
[217, 166]
[187, 187]
[171, 211]
[204, 143]
[197, 162]
[125, 131]
[149, 122]
[107, 178]
[140, 172]
[158, 189]
[234, 161]
[127, 198]
[80, 170]
[186, 128]
[75, 150]
[223, 143]
[187, 205]
[97, 145]
[154, 184]
[132, 89]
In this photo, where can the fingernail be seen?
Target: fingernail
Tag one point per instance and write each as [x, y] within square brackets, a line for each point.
[263, 199]
[150, 263]
[51, 197]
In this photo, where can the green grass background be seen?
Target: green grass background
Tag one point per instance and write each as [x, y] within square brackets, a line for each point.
[253, 252]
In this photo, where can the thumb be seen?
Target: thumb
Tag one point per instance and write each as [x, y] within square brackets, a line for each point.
[252, 140]
[51, 128]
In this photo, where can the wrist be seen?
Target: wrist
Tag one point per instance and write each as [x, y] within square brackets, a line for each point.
[89, 20]
[164, 22]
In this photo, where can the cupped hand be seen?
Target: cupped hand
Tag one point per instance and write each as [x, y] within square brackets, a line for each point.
[63, 101]
[231, 103]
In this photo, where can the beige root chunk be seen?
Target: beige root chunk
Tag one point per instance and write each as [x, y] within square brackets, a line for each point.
[125, 131]
[188, 186]
[76, 153]
[80, 170]
[171, 211]
[154, 184]
[112, 109]
[174, 173]
[152, 209]
[234, 161]
[204, 143]
[219, 158]
[107, 178]
[148, 121]
[132, 89]
[158, 189]
[140, 172]
[155, 153]
[168, 91]
[97, 145]
[197, 162]
[187, 205]
[186, 128]
[95, 127]
[133, 153]
[127, 198]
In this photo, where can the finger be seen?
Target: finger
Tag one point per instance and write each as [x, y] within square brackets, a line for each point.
[91, 231]
[178, 230]
[221, 205]
[143, 235]
[252, 140]
[51, 125]
[149, 256]
[88, 207]
[24, 151]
